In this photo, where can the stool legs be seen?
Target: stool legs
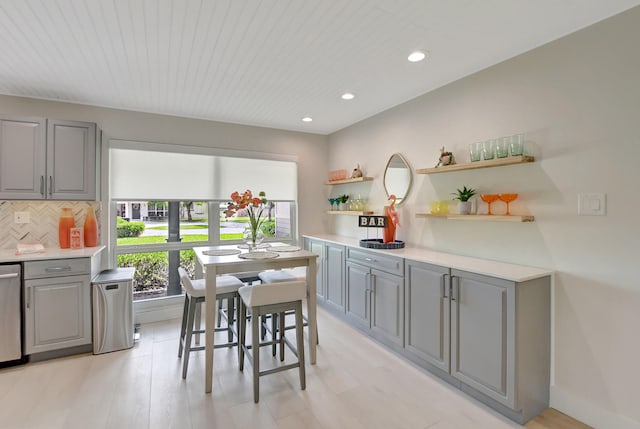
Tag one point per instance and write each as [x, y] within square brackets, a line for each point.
[300, 345]
[187, 340]
[255, 353]
[184, 324]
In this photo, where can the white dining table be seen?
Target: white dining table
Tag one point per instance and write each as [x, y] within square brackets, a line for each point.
[214, 265]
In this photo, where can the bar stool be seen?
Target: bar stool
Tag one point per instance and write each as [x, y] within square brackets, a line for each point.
[287, 275]
[265, 299]
[226, 288]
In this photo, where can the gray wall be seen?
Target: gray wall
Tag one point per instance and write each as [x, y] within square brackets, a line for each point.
[578, 101]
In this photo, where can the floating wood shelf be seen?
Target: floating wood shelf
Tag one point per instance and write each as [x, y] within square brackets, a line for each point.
[340, 182]
[481, 218]
[499, 162]
[349, 212]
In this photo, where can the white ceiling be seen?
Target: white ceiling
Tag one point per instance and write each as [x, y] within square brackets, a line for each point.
[267, 62]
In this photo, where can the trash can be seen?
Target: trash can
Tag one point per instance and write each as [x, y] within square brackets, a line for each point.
[113, 310]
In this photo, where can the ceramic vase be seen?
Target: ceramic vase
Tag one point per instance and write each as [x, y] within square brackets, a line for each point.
[389, 232]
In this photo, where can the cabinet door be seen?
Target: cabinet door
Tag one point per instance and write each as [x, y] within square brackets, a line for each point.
[71, 160]
[387, 293]
[317, 247]
[22, 158]
[358, 294]
[57, 313]
[427, 313]
[482, 334]
[335, 276]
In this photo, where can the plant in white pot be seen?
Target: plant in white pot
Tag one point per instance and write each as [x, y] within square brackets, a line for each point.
[463, 195]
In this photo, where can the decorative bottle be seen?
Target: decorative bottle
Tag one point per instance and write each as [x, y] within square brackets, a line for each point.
[90, 229]
[65, 223]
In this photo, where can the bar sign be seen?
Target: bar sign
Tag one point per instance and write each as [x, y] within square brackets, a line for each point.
[372, 221]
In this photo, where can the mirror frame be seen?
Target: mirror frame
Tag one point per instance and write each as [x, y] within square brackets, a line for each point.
[384, 177]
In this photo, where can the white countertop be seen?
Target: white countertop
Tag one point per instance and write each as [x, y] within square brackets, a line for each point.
[503, 270]
[9, 255]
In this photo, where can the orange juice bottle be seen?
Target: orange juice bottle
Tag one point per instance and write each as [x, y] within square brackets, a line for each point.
[65, 223]
[90, 229]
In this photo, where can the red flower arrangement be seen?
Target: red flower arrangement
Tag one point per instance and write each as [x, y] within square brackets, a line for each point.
[254, 207]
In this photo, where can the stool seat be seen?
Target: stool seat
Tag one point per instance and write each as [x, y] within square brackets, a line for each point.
[224, 284]
[285, 275]
[267, 294]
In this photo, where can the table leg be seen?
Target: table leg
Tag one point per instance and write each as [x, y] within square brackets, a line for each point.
[311, 310]
[210, 325]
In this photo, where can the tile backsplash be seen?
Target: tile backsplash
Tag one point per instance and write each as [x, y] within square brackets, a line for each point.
[43, 225]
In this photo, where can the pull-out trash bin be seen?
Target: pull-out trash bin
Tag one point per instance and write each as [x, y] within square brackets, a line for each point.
[113, 310]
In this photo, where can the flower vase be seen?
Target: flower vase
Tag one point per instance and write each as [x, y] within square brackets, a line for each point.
[389, 232]
[253, 237]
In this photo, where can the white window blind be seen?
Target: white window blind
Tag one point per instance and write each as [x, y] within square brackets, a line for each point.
[147, 171]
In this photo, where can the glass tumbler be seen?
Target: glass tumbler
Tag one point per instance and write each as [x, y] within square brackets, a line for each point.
[475, 151]
[517, 145]
[502, 147]
[488, 149]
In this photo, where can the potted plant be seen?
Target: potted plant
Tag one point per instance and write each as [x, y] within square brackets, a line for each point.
[463, 195]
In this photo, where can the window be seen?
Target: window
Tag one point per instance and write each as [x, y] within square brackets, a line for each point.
[157, 218]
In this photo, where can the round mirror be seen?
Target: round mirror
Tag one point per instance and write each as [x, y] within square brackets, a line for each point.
[397, 178]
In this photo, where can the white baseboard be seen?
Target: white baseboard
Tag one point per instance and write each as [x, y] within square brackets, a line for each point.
[158, 310]
[587, 412]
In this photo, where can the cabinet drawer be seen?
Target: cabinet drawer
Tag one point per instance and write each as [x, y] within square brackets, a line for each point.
[56, 268]
[390, 264]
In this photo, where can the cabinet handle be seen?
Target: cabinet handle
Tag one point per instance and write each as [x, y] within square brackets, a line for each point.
[369, 259]
[50, 185]
[454, 289]
[57, 269]
[443, 286]
[373, 283]
[28, 298]
[42, 185]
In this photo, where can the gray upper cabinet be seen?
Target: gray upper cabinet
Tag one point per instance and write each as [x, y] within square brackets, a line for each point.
[48, 159]
[22, 157]
[427, 311]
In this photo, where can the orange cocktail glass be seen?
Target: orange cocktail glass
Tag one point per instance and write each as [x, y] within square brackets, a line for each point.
[507, 198]
[489, 198]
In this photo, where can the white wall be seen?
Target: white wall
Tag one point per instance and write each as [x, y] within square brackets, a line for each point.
[578, 101]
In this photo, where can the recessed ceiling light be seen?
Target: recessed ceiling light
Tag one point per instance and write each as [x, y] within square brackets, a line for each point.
[307, 119]
[416, 56]
[348, 96]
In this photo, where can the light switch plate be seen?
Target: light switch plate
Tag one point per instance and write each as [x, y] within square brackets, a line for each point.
[592, 204]
[21, 217]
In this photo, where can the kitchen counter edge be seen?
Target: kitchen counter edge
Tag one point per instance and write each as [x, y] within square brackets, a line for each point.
[9, 255]
[504, 270]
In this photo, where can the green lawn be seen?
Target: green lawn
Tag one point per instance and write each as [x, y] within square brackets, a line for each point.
[182, 226]
[161, 239]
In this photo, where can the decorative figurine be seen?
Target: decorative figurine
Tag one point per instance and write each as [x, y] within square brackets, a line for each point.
[389, 232]
[446, 158]
[356, 172]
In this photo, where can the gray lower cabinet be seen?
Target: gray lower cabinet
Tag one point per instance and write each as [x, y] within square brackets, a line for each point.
[490, 335]
[48, 159]
[57, 304]
[427, 314]
[375, 297]
[330, 278]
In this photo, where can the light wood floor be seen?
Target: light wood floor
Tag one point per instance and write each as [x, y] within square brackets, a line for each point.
[355, 384]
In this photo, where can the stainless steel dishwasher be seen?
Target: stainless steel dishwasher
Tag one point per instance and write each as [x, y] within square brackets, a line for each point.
[10, 314]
